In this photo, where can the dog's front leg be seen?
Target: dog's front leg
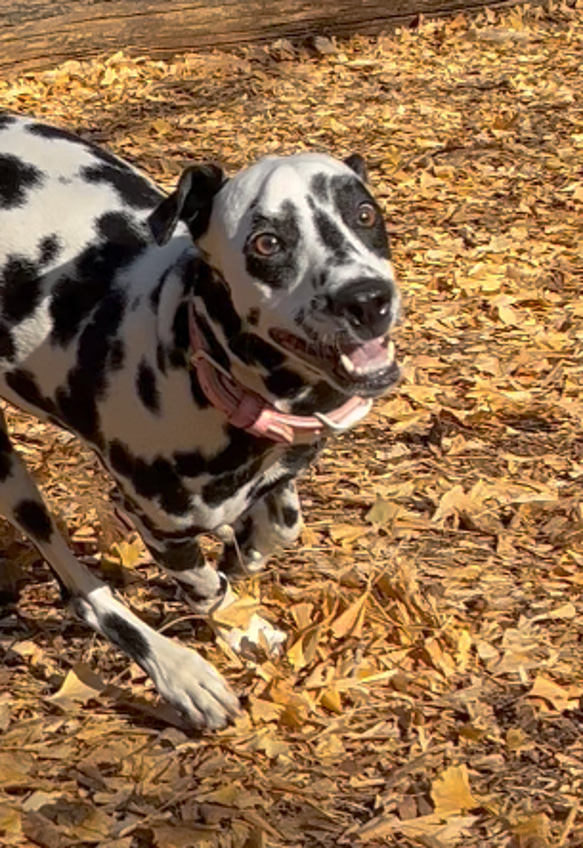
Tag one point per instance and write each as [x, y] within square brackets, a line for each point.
[273, 522]
[181, 675]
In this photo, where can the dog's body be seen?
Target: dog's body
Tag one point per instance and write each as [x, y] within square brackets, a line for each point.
[197, 342]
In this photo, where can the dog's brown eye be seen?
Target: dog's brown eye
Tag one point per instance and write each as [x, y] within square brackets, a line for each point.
[367, 215]
[266, 244]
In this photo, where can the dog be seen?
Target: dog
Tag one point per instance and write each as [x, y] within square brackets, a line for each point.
[203, 343]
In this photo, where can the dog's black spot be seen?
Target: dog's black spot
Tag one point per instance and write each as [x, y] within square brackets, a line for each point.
[299, 457]
[215, 350]
[132, 188]
[34, 519]
[253, 350]
[283, 383]
[180, 334]
[156, 479]
[6, 120]
[319, 187]
[16, 178]
[21, 289]
[121, 229]
[24, 385]
[76, 297]
[331, 235]
[126, 636]
[5, 456]
[190, 463]
[49, 248]
[217, 301]
[161, 358]
[72, 302]
[157, 291]
[86, 381]
[253, 316]
[223, 487]
[322, 398]
[180, 555]
[7, 348]
[198, 396]
[117, 355]
[290, 515]
[281, 269]
[147, 388]
[348, 194]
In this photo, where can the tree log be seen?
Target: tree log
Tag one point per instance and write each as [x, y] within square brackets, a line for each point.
[36, 34]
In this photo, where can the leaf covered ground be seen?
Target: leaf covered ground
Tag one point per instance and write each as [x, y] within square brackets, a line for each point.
[431, 690]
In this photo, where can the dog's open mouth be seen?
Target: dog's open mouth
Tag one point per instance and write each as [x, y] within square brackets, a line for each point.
[367, 367]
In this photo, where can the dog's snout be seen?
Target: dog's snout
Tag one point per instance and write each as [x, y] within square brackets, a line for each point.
[367, 306]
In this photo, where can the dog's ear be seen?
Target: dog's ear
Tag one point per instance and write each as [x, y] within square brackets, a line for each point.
[358, 165]
[191, 202]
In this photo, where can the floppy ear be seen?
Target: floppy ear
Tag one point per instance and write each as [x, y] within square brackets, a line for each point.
[191, 202]
[358, 165]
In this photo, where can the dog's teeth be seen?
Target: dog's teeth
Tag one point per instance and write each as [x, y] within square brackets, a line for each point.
[390, 351]
[347, 364]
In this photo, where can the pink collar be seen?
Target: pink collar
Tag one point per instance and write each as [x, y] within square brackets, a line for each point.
[249, 411]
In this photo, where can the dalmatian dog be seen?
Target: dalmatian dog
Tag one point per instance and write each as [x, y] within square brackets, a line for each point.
[204, 344]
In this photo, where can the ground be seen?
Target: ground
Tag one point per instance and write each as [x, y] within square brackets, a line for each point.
[430, 693]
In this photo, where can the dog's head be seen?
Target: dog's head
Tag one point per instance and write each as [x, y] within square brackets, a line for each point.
[299, 253]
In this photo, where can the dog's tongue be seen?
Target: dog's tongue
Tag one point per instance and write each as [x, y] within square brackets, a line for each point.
[369, 357]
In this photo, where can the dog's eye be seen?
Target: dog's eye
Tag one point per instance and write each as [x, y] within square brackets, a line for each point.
[367, 215]
[266, 244]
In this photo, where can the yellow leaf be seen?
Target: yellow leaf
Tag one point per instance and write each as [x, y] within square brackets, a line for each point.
[351, 620]
[331, 701]
[382, 512]
[451, 791]
[80, 685]
[451, 503]
[559, 697]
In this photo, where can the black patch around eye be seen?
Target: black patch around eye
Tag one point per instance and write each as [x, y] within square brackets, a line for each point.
[348, 194]
[34, 519]
[146, 386]
[49, 248]
[16, 178]
[280, 270]
[125, 636]
[253, 350]
[131, 187]
[21, 289]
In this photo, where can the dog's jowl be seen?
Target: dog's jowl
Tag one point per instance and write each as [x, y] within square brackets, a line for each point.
[203, 344]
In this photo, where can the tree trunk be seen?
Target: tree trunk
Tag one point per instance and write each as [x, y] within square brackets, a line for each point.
[37, 34]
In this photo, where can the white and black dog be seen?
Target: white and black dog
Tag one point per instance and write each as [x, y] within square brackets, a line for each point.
[203, 344]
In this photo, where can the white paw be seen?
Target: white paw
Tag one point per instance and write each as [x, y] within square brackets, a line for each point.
[192, 685]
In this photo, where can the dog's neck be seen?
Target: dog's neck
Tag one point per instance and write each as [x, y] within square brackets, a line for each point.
[249, 411]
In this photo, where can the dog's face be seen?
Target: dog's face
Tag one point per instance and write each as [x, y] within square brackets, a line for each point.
[301, 248]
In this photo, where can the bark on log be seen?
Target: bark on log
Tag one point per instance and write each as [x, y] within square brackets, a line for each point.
[37, 34]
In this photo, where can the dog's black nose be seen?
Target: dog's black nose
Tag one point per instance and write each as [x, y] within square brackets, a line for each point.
[366, 305]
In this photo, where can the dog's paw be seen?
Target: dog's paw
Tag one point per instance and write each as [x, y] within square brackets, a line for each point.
[193, 686]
